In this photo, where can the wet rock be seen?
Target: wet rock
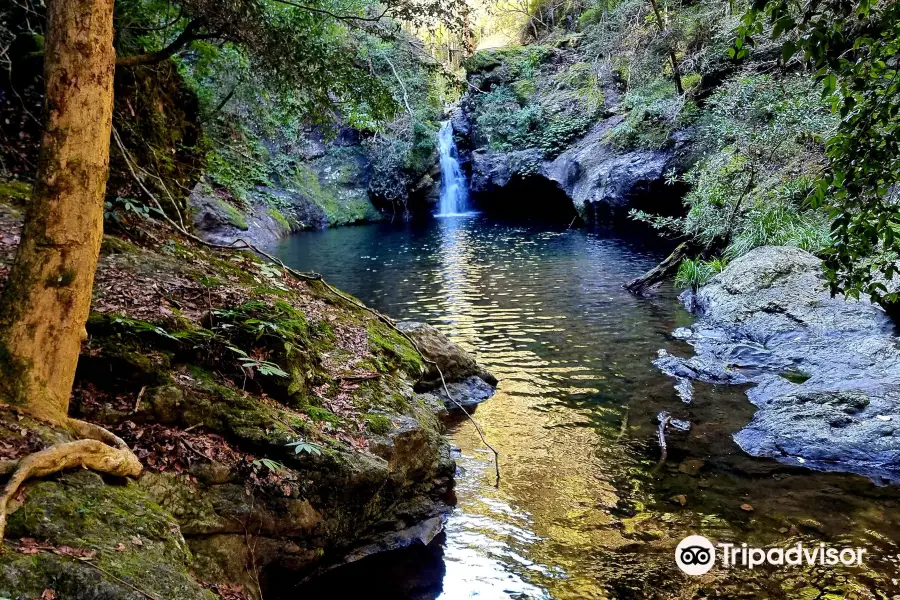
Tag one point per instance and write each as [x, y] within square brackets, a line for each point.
[467, 381]
[691, 466]
[327, 186]
[826, 370]
[220, 222]
[462, 126]
[600, 179]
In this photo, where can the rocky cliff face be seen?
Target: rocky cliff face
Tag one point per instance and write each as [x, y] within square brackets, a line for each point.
[600, 180]
[826, 370]
[311, 183]
[279, 425]
[536, 113]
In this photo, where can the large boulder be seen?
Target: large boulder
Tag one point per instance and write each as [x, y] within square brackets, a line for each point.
[826, 369]
[468, 382]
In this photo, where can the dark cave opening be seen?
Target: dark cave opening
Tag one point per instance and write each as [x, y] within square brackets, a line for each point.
[536, 198]
[530, 198]
[655, 197]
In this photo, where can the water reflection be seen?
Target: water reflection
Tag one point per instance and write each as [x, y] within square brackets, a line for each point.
[578, 513]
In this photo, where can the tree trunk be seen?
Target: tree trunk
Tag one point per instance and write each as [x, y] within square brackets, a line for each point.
[676, 72]
[47, 297]
[665, 269]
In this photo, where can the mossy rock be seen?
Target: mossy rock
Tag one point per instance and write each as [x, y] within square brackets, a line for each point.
[136, 542]
[233, 216]
[15, 192]
[515, 57]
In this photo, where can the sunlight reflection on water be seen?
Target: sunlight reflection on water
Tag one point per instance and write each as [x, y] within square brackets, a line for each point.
[573, 418]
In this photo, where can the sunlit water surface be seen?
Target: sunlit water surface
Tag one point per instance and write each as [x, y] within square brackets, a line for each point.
[581, 510]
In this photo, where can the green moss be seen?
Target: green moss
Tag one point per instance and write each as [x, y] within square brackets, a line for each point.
[81, 511]
[342, 204]
[234, 217]
[280, 219]
[115, 245]
[396, 350]
[64, 279]
[378, 424]
[322, 415]
[521, 60]
[797, 377]
[15, 192]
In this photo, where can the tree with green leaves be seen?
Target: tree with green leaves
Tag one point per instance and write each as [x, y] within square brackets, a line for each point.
[853, 47]
[303, 47]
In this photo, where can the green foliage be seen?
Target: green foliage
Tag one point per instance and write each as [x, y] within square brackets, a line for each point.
[310, 448]
[272, 465]
[555, 136]
[780, 224]
[532, 101]
[264, 367]
[503, 122]
[655, 110]
[762, 140]
[853, 48]
[519, 61]
[237, 160]
[693, 273]
[116, 210]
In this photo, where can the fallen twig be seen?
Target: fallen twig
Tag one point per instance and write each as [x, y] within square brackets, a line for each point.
[624, 428]
[664, 451]
[137, 401]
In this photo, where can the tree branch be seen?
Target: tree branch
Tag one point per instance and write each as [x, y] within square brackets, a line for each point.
[322, 11]
[187, 36]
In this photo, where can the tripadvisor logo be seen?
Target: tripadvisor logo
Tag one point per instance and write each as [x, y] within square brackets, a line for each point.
[696, 555]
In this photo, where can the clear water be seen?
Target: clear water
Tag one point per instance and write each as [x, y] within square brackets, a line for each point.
[454, 189]
[580, 511]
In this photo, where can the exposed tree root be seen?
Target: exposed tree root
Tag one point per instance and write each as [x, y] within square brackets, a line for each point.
[98, 450]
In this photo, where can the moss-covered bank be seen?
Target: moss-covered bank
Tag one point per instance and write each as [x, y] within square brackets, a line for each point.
[277, 423]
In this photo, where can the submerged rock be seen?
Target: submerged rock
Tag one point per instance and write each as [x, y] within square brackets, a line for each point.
[826, 370]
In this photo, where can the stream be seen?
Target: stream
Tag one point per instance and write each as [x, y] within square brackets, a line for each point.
[582, 509]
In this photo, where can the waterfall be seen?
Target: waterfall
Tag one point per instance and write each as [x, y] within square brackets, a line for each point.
[454, 189]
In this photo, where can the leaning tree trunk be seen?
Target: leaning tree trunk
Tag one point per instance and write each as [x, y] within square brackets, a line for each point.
[47, 298]
[665, 269]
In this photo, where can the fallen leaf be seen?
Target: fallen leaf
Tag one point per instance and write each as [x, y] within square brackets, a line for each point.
[120, 547]
[136, 541]
[49, 594]
[746, 507]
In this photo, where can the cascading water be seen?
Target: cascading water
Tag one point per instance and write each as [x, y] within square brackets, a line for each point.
[454, 190]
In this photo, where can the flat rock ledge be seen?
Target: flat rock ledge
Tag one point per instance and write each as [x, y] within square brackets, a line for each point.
[826, 370]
